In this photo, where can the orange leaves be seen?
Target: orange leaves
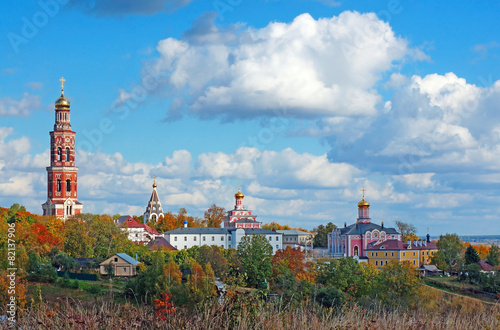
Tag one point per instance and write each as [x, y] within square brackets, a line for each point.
[214, 216]
[43, 236]
[164, 306]
[294, 260]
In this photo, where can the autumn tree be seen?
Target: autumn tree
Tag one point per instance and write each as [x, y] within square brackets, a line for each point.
[493, 256]
[321, 238]
[255, 254]
[277, 226]
[292, 259]
[200, 283]
[172, 274]
[214, 216]
[167, 222]
[407, 230]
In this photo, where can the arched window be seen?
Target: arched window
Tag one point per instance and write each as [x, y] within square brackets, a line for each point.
[68, 185]
[67, 154]
[59, 154]
[58, 185]
[356, 250]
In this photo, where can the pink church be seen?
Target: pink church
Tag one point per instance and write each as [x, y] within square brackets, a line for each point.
[353, 240]
[240, 217]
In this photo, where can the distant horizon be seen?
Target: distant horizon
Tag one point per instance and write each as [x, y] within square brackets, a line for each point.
[303, 102]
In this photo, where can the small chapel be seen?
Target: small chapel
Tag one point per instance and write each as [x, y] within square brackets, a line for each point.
[154, 210]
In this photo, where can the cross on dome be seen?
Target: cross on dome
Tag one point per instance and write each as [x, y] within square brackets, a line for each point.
[62, 80]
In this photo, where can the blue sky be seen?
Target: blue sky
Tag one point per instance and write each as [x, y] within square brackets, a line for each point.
[304, 102]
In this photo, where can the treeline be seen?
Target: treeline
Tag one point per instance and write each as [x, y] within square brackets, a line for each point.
[462, 259]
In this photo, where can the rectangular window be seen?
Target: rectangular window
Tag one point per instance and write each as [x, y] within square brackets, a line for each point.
[213, 238]
[194, 238]
[404, 254]
[203, 238]
[270, 238]
[185, 247]
[229, 238]
[277, 238]
[116, 259]
[413, 253]
[376, 254]
[392, 254]
[277, 247]
[222, 238]
[175, 238]
[185, 238]
[124, 269]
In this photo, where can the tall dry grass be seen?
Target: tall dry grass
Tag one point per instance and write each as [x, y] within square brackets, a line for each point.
[435, 311]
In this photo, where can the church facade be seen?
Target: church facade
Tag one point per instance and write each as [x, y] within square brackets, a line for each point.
[355, 239]
[62, 188]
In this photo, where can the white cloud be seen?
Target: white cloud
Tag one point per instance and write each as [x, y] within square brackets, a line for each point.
[418, 180]
[307, 68]
[284, 169]
[23, 107]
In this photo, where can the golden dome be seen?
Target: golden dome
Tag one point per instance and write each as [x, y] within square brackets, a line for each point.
[239, 194]
[154, 185]
[62, 101]
[363, 203]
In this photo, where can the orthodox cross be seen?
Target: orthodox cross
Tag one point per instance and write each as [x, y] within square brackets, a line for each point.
[363, 190]
[239, 186]
[62, 80]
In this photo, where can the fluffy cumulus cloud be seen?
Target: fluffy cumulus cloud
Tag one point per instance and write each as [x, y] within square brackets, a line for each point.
[285, 169]
[127, 7]
[307, 68]
[22, 107]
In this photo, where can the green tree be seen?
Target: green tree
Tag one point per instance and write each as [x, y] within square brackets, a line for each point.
[149, 284]
[255, 254]
[471, 255]
[396, 283]
[449, 249]
[214, 256]
[321, 238]
[346, 275]
[493, 256]
[65, 261]
[329, 296]
[407, 230]
[214, 216]
[77, 242]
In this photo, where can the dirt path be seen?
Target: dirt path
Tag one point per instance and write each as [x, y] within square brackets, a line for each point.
[465, 296]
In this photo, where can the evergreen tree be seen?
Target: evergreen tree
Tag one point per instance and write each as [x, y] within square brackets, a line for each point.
[471, 255]
[493, 256]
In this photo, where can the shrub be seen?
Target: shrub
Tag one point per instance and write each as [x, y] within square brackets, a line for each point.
[329, 297]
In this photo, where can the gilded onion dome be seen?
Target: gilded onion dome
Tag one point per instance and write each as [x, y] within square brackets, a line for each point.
[363, 203]
[239, 194]
[62, 101]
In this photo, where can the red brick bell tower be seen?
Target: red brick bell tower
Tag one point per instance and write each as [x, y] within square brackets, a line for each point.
[62, 174]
